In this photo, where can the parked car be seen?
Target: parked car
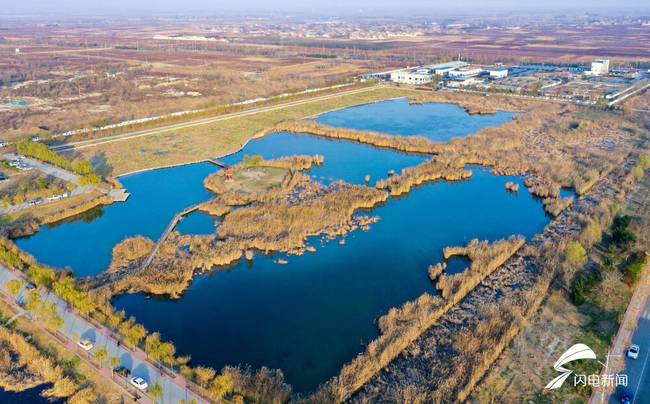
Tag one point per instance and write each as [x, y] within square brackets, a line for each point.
[633, 351]
[627, 397]
[85, 344]
[122, 371]
[139, 383]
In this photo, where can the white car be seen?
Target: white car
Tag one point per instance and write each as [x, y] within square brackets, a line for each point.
[139, 383]
[633, 351]
[85, 344]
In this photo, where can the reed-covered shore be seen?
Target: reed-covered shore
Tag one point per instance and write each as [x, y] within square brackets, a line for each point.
[279, 221]
[401, 326]
[23, 366]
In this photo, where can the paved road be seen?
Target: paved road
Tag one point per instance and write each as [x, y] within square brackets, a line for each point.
[76, 328]
[49, 169]
[148, 132]
[624, 97]
[638, 370]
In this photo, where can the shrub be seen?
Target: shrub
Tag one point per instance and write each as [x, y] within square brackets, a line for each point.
[635, 269]
[576, 255]
[622, 237]
[14, 287]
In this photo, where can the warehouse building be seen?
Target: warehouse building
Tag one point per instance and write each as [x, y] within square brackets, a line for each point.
[466, 72]
[420, 76]
[500, 73]
[600, 67]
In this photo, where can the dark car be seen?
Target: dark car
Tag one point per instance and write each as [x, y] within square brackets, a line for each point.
[627, 397]
[122, 371]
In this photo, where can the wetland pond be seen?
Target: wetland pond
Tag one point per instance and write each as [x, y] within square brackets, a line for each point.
[436, 121]
[317, 312]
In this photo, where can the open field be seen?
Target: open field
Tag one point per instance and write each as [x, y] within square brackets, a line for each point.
[198, 143]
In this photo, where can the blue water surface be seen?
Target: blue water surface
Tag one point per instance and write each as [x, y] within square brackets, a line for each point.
[85, 242]
[317, 312]
[436, 121]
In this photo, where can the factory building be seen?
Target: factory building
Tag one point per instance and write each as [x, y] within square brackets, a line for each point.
[420, 76]
[465, 72]
[457, 82]
[500, 73]
[443, 71]
[600, 67]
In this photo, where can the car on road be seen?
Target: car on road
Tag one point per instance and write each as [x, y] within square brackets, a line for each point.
[633, 351]
[85, 344]
[122, 371]
[627, 397]
[139, 383]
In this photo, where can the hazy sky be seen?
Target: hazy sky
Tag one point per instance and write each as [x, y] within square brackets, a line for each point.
[321, 6]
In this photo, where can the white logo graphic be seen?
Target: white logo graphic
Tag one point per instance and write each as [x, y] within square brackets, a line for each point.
[576, 352]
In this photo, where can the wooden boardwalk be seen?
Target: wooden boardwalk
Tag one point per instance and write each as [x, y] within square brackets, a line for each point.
[170, 227]
[103, 280]
[217, 162]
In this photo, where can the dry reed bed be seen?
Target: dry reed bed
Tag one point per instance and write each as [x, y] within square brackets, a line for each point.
[30, 225]
[23, 366]
[542, 142]
[279, 221]
[469, 337]
[409, 144]
[555, 206]
[430, 170]
[476, 105]
[485, 259]
[401, 326]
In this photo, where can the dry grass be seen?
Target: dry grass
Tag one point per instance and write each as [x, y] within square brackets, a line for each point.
[279, 220]
[402, 326]
[23, 366]
[217, 139]
[431, 170]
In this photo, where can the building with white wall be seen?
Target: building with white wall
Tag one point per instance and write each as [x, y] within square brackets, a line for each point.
[600, 67]
[420, 76]
[443, 71]
[465, 72]
[500, 73]
[457, 82]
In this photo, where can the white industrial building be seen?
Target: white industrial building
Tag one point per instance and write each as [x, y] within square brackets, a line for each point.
[500, 73]
[600, 67]
[463, 82]
[466, 72]
[443, 71]
[420, 76]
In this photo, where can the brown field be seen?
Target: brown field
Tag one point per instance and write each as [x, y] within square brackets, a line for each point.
[78, 75]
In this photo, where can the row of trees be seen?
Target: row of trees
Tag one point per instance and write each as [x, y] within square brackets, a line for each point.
[41, 152]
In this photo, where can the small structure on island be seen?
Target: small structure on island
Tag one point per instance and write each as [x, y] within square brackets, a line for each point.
[229, 173]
